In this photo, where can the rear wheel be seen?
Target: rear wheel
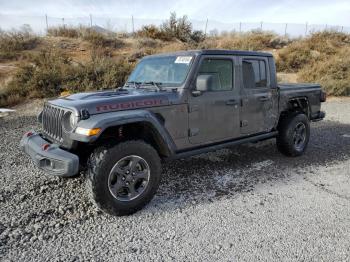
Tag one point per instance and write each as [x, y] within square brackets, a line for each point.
[294, 134]
[123, 178]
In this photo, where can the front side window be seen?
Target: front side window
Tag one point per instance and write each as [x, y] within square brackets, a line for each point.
[222, 72]
[167, 70]
[254, 73]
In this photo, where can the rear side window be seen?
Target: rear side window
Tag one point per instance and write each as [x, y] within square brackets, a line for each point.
[254, 73]
[222, 72]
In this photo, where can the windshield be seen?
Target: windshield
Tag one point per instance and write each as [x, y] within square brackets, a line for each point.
[165, 70]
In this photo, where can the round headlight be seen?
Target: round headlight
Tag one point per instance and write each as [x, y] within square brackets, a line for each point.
[69, 121]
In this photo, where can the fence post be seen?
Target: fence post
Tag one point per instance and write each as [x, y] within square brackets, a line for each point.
[306, 28]
[261, 24]
[206, 26]
[240, 27]
[90, 20]
[342, 27]
[47, 24]
[133, 25]
[63, 22]
[285, 30]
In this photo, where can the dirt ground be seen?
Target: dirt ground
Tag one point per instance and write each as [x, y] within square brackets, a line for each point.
[244, 203]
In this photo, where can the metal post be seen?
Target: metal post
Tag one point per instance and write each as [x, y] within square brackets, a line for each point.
[342, 27]
[261, 23]
[240, 27]
[90, 20]
[206, 26]
[285, 30]
[63, 22]
[47, 23]
[326, 27]
[133, 25]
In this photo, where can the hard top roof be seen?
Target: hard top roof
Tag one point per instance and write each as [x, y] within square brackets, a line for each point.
[215, 52]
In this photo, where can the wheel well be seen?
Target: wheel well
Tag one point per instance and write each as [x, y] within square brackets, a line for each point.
[296, 105]
[136, 131]
[300, 104]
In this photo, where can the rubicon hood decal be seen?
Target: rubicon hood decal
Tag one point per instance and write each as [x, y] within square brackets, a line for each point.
[131, 105]
[116, 101]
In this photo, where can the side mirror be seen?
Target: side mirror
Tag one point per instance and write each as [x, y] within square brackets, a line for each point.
[203, 82]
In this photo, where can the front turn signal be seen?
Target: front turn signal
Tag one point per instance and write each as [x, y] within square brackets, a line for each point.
[87, 132]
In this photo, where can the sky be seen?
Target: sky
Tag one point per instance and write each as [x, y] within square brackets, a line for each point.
[323, 12]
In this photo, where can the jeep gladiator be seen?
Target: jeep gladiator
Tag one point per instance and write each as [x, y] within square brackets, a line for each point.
[172, 106]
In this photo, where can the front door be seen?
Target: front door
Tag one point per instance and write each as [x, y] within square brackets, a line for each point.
[214, 114]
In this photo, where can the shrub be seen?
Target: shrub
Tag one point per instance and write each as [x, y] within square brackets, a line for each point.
[148, 43]
[101, 40]
[332, 73]
[307, 51]
[51, 72]
[173, 28]
[152, 31]
[11, 43]
[254, 40]
[64, 31]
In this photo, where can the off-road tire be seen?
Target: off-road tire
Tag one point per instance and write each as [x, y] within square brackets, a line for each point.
[101, 163]
[286, 134]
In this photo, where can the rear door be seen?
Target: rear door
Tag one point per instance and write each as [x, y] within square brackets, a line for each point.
[214, 114]
[256, 94]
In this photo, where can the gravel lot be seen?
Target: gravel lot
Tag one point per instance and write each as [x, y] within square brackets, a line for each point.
[244, 203]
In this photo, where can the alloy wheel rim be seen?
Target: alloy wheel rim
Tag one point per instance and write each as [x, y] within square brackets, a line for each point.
[129, 178]
[299, 136]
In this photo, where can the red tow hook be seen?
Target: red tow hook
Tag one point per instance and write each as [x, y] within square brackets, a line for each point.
[45, 147]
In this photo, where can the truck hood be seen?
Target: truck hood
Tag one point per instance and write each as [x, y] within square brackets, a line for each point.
[116, 100]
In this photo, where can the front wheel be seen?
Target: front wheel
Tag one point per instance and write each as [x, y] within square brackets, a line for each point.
[294, 134]
[122, 179]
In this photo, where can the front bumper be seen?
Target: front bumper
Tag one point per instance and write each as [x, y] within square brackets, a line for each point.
[49, 157]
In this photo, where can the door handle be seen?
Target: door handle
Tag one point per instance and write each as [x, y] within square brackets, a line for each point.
[263, 98]
[231, 102]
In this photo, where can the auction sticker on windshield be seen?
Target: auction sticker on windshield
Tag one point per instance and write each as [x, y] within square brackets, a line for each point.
[183, 59]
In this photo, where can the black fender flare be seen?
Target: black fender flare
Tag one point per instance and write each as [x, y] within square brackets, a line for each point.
[118, 118]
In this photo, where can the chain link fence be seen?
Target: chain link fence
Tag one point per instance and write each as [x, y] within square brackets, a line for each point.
[39, 24]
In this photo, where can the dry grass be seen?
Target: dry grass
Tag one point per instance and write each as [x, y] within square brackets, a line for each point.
[12, 43]
[323, 57]
[84, 60]
[256, 40]
[52, 72]
[332, 73]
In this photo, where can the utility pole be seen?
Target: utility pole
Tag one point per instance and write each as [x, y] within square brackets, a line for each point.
[90, 20]
[133, 25]
[285, 30]
[206, 26]
[47, 23]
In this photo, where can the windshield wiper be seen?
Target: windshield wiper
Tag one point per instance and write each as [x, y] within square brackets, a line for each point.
[135, 84]
[155, 84]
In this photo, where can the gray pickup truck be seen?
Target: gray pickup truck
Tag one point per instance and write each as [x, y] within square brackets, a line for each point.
[172, 106]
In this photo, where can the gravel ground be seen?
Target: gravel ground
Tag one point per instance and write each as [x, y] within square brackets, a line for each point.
[244, 203]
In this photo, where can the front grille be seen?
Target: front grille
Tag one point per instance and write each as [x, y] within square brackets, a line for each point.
[52, 122]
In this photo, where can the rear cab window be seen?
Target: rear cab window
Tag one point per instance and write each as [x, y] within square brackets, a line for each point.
[254, 73]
